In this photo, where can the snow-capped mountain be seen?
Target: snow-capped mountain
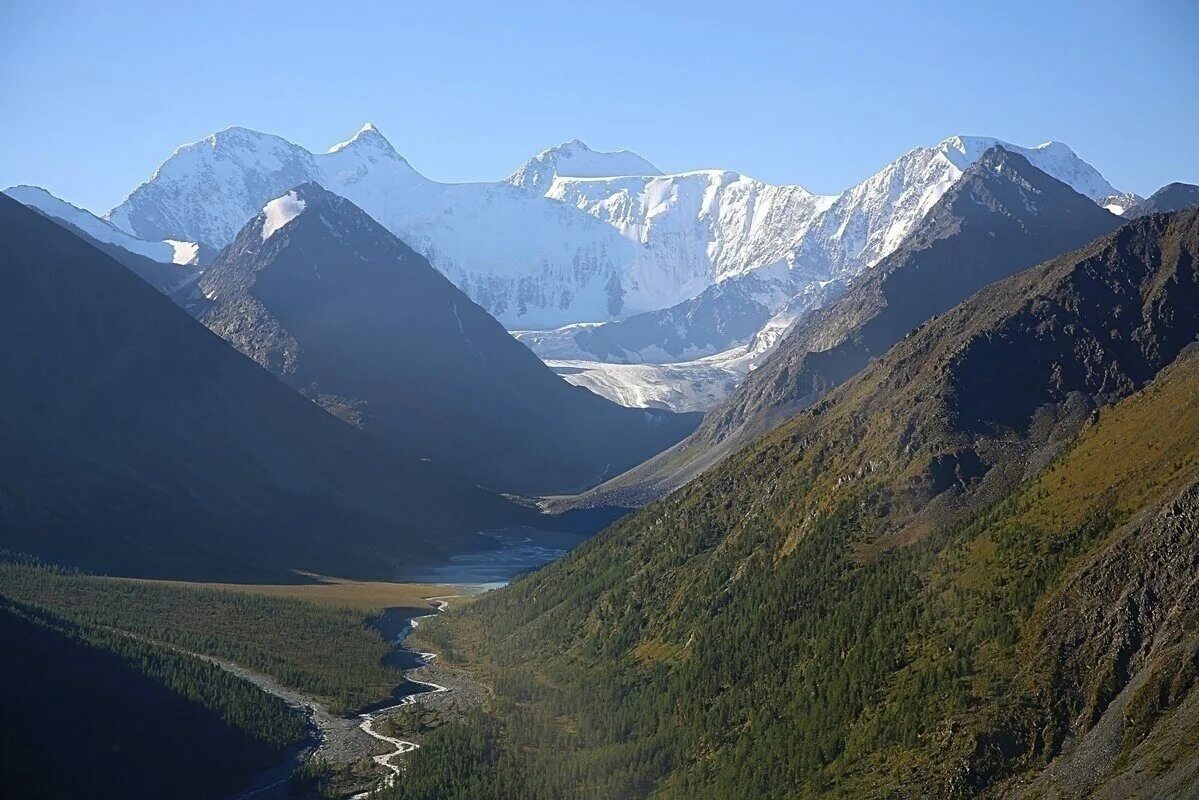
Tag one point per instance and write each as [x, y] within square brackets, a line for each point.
[770, 248]
[527, 259]
[167, 252]
[596, 243]
[725, 224]
[576, 160]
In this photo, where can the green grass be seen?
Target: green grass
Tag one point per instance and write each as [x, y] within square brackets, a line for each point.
[749, 637]
[325, 650]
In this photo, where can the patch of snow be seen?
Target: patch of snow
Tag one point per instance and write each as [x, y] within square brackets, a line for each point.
[166, 252]
[183, 252]
[279, 212]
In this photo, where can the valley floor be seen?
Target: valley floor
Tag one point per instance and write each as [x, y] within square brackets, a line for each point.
[329, 650]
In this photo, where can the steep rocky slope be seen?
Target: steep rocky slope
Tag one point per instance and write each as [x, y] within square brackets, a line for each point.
[968, 568]
[331, 302]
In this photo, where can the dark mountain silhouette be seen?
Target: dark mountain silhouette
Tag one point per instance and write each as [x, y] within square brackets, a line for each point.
[1171, 197]
[136, 441]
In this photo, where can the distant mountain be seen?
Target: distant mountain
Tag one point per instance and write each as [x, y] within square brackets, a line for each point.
[574, 159]
[172, 279]
[138, 442]
[767, 246]
[527, 260]
[725, 224]
[104, 232]
[1171, 197]
[330, 301]
[1003, 216]
[968, 571]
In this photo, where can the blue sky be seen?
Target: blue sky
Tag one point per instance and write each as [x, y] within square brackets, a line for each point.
[95, 95]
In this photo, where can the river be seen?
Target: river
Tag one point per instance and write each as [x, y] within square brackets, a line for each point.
[367, 725]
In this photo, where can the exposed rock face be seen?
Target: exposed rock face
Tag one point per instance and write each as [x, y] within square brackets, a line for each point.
[1117, 654]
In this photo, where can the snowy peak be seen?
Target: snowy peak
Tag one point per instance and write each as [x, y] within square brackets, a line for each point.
[207, 190]
[574, 159]
[1052, 158]
[370, 139]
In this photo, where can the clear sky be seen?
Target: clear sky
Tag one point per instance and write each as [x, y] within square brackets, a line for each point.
[95, 94]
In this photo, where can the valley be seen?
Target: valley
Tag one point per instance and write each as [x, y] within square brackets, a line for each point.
[826, 451]
[329, 650]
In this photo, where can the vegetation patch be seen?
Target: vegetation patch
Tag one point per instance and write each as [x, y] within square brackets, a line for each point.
[326, 650]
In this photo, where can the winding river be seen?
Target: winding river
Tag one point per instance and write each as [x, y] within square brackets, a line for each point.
[368, 720]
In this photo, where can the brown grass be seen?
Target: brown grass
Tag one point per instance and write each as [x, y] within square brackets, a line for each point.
[1138, 449]
[365, 595]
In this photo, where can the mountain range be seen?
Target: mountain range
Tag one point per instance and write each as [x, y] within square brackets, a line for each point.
[695, 271]
[1001, 217]
[565, 239]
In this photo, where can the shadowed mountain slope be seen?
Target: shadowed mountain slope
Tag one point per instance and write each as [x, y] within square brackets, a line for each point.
[137, 441]
[331, 302]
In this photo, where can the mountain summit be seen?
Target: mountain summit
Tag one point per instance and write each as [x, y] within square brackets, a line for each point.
[574, 159]
[326, 298]
[367, 136]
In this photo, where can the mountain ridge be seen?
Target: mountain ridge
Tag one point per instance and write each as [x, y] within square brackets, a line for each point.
[1004, 216]
[796, 245]
[591, 249]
